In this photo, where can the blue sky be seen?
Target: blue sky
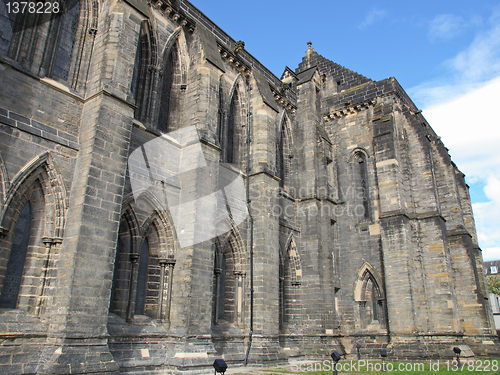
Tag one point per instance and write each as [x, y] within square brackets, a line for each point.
[445, 54]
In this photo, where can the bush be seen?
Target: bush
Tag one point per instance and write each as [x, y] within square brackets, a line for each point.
[494, 284]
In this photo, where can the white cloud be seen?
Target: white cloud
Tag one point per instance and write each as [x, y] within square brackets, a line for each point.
[469, 69]
[492, 191]
[462, 108]
[482, 59]
[372, 16]
[491, 253]
[488, 220]
[487, 216]
[445, 26]
[470, 127]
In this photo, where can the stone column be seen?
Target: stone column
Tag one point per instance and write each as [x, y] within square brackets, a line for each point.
[191, 307]
[315, 222]
[132, 291]
[217, 272]
[239, 300]
[264, 200]
[85, 270]
[48, 244]
[170, 261]
[400, 298]
[163, 263]
[395, 226]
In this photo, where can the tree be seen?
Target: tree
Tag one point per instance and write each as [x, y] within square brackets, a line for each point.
[494, 284]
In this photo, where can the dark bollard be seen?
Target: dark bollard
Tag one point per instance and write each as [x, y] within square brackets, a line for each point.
[220, 366]
[335, 357]
[383, 354]
[457, 351]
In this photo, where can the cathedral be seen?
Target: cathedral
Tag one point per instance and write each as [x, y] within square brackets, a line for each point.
[166, 200]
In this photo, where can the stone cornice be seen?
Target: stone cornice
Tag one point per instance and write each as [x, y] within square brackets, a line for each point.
[170, 10]
[283, 100]
[349, 109]
[233, 59]
[411, 215]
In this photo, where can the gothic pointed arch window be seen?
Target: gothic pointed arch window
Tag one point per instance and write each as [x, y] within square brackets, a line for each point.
[147, 288]
[233, 129]
[362, 208]
[173, 87]
[290, 277]
[143, 270]
[15, 266]
[7, 21]
[372, 308]
[284, 155]
[37, 196]
[167, 100]
[220, 114]
[145, 74]
[123, 267]
[369, 295]
[142, 278]
[22, 249]
[225, 286]
[46, 44]
[65, 42]
[229, 281]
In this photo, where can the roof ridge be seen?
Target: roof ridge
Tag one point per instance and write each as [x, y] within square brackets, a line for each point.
[316, 56]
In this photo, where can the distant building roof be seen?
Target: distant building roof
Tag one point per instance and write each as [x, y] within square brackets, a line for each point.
[492, 267]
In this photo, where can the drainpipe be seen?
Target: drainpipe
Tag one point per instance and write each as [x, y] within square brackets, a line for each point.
[251, 228]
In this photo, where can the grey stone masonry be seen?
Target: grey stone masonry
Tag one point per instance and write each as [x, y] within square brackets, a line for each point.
[165, 200]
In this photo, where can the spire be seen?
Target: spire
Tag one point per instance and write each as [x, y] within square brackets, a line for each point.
[310, 50]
